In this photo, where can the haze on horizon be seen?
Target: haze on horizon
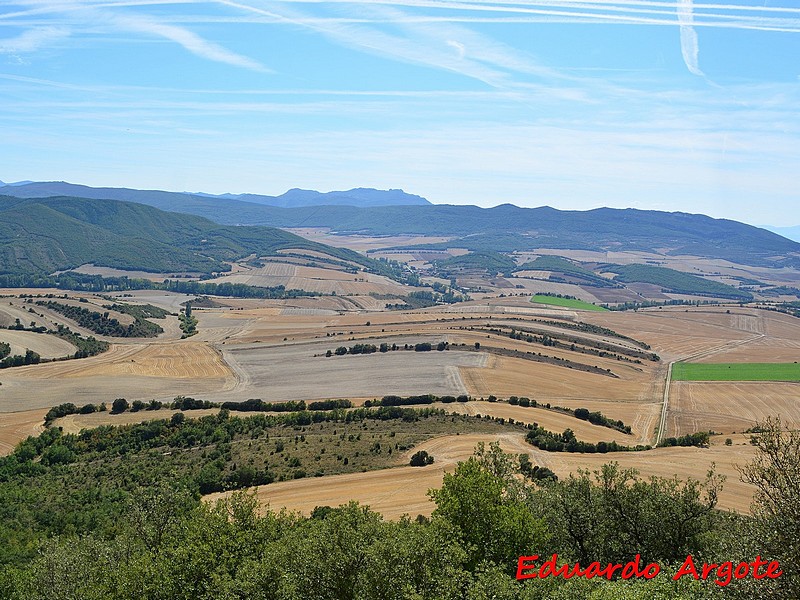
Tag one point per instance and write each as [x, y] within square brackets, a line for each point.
[655, 105]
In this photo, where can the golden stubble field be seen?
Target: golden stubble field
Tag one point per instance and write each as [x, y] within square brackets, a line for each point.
[275, 350]
[403, 489]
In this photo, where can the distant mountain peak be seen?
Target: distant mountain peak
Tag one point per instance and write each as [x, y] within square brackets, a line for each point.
[293, 198]
[14, 184]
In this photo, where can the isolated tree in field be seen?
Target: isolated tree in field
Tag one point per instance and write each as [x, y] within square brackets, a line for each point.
[119, 405]
[421, 458]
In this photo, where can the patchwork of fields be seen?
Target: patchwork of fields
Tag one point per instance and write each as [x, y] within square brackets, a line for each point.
[276, 350]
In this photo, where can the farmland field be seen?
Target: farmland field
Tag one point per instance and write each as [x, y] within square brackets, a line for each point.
[736, 371]
[566, 302]
[275, 350]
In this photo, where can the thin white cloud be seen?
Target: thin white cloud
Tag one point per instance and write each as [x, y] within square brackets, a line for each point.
[32, 40]
[106, 14]
[690, 48]
[188, 39]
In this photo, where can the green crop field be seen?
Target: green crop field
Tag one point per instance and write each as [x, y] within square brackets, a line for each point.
[736, 372]
[566, 302]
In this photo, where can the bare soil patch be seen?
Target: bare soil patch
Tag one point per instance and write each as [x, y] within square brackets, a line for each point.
[293, 372]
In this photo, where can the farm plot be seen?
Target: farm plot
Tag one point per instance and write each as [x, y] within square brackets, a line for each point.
[315, 279]
[46, 346]
[566, 303]
[17, 426]
[362, 243]
[403, 490]
[551, 420]
[730, 407]
[505, 376]
[293, 372]
[669, 462]
[741, 371]
[393, 492]
[135, 372]
[676, 334]
[90, 269]
[171, 301]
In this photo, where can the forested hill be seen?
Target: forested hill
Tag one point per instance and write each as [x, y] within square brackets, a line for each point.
[507, 228]
[503, 228]
[40, 236]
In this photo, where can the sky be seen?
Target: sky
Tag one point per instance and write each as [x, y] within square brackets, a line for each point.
[678, 106]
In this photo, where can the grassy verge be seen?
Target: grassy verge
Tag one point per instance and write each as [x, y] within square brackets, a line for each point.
[566, 302]
[736, 372]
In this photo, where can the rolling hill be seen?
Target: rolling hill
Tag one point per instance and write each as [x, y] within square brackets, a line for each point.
[40, 236]
[504, 228]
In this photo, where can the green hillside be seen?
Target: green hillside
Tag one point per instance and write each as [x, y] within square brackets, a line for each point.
[40, 236]
[503, 228]
[491, 262]
[557, 264]
[676, 282]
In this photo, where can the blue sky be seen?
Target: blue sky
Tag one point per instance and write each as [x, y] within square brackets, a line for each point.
[682, 105]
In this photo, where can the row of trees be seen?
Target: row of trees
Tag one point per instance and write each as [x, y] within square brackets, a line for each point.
[102, 323]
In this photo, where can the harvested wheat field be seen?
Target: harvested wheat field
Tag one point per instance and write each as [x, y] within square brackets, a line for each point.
[403, 490]
[668, 462]
[393, 492]
[676, 334]
[46, 346]
[17, 426]
[302, 372]
[549, 419]
[177, 360]
[728, 407]
[315, 279]
[135, 372]
[505, 376]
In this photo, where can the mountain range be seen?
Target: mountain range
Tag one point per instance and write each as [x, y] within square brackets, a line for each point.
[294, 198]
[504, 228]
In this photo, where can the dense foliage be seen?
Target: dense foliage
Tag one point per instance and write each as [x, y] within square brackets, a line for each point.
[574, 272]
[101, 323]
[65, 232]
[164, 545]
[677, 282]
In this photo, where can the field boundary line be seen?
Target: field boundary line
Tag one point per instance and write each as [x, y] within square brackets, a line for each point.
[662, 425]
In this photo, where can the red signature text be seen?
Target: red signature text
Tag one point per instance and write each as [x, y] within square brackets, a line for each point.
[722, 573]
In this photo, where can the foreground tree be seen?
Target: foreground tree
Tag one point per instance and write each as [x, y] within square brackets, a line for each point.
[775, 472]
[483, 499]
